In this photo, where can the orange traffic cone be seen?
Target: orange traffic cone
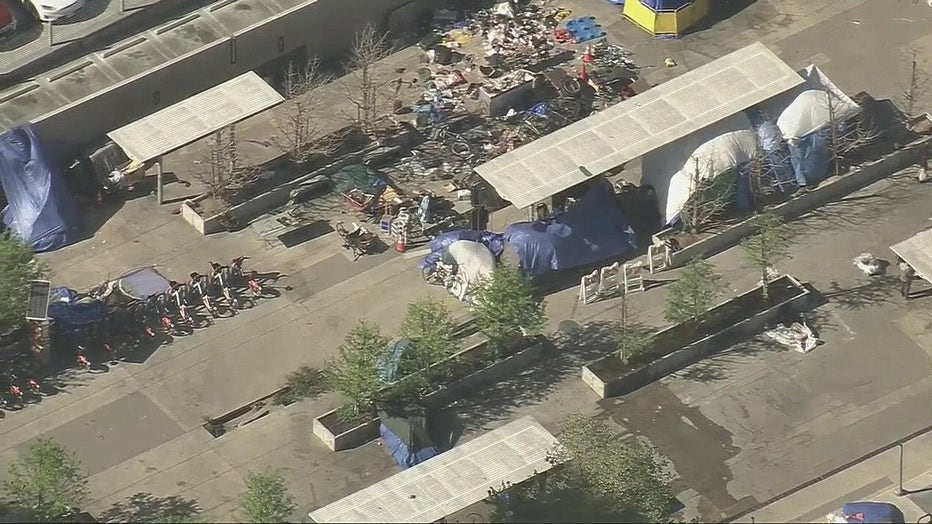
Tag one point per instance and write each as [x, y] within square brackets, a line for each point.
[400, 245]
[587, 55]
[583, 75]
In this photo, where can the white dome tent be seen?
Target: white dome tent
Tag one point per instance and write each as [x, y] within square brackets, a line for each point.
[474, 262]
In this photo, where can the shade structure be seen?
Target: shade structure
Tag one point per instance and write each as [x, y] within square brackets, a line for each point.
[666, 17]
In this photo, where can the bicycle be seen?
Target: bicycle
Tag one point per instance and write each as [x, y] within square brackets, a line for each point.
[445, 275]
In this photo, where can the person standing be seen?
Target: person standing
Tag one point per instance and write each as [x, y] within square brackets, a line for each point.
[907, 273]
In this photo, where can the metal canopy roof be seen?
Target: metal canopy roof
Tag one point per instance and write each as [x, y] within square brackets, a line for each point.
[191, 120]
[917, 252]
[636, 126]
[450, 481]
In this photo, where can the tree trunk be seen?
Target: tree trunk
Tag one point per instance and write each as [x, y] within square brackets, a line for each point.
[765, 284]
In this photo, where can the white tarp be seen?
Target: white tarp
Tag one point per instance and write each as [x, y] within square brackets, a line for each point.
[659, 166]
[474, 260]
[805, 109]
[717, 156]
[811, 111]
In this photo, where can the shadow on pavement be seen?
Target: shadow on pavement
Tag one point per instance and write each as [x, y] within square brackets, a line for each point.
[144, 507]
[877, 291]
[573, 346]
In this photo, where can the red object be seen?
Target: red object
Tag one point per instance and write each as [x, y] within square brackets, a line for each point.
[33, 386]
[562, 36]
[400, 245]
[83, 362]
[7, 20]
[15, 391]
[587, 56]
[583, 75]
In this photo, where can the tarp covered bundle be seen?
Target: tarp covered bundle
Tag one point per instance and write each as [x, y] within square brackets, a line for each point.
[405, 433]
[474, 261]
[493, 241]
[39, 209]
[71, 312]
[592, 230]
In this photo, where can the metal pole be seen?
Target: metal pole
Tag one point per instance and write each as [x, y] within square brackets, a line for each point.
[122, 6]
[900, 491]
[51, 42]
[158, 181]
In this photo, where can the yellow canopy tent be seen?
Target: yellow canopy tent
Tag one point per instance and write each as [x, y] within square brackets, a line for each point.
[666, 17]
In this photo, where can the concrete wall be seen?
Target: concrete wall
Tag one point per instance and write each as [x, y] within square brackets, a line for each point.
[801, 203]
[696, 351]
[325, 27]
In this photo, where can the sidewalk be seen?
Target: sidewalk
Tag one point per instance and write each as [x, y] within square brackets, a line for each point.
[875, 479]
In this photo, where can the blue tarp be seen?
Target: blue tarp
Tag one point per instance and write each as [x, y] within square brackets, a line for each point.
[811, 156]
[389, 366]
[69, 313]
[857, 512]
[592, 230]
[400, 452]
[494, 241]
[40, 208]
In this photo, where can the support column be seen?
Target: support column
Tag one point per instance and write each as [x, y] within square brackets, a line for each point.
[158, 181]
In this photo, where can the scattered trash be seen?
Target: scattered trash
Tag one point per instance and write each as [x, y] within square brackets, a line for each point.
[869, 264]
[669, 62]
[515, 63]
[797, 336]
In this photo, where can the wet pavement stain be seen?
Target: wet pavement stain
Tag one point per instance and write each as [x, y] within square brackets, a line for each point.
[698, 448]
[196, 33]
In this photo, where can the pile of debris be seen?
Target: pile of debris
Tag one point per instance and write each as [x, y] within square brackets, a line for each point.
[512, 68]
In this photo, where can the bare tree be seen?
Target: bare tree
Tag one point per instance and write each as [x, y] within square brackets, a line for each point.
[709, 198]
[366, 79]
[220, 170]
[760, 176]
[846, 137]
[916, 86]
[298, 132]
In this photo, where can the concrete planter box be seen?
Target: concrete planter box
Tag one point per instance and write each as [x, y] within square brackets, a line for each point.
[338, 436]
[533, 350]
[830, 190]
[281, 194]
[680, 345]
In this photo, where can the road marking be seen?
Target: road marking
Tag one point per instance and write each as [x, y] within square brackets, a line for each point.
[845, 325]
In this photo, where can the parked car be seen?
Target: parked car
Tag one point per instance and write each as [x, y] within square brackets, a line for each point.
[7, 18]
[53, 10]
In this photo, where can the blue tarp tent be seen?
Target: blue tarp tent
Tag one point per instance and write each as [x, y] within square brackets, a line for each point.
[493, 241]
[404, 432]
[390, 365]
[70, 313]
[592, 230]
[39, 207]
